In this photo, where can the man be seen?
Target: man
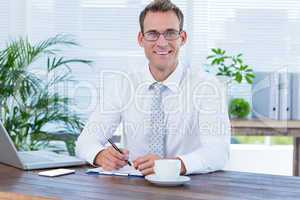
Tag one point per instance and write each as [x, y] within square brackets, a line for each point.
[167, 110]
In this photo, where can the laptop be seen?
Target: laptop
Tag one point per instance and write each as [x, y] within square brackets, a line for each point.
[28, 160]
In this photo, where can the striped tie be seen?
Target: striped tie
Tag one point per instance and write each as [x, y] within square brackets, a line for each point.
[157, 124]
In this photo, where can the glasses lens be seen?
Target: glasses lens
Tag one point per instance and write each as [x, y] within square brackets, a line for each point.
[151, 36]
[171, 35]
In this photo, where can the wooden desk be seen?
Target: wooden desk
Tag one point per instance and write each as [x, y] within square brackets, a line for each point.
[271, 128]
[219, 185]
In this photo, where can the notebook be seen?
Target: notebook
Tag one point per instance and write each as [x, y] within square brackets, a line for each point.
[125, 171]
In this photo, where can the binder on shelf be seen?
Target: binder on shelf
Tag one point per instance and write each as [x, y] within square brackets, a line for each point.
[285, 83]
[265, 95]
[295, 93]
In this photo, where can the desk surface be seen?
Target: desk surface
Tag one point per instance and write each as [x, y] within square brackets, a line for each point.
[218, 185]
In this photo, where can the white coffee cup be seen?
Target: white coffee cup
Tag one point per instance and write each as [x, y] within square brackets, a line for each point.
[167, 168]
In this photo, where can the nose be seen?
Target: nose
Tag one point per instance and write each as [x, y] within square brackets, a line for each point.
[161, 41]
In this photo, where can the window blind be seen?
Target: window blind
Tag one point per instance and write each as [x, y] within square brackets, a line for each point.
[266, 32]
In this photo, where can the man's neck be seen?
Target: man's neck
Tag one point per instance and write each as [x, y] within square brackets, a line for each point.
[162, 74]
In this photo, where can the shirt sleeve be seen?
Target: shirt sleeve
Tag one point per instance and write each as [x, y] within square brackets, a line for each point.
[214, 125]
[94, 135]
[103, 121]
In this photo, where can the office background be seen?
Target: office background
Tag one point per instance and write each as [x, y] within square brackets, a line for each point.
[266, 32]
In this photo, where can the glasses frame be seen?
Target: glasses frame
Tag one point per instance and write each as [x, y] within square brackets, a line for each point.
[163, 33]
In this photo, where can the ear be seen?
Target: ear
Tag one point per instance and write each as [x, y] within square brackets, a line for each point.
[140, 39]
[183, 36]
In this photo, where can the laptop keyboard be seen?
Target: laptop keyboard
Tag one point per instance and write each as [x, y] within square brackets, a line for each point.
[34, 157]
[44, 159]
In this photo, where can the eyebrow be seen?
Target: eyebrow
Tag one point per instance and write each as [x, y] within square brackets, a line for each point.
[153, 30]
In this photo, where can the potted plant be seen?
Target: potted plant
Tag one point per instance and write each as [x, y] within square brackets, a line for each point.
[230, 67]
[239, 108]
[232, 71]
[30, 103]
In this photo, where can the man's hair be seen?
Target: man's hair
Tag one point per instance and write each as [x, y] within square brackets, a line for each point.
[161, 6]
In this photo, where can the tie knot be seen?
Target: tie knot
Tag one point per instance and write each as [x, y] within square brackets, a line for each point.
[158, 87]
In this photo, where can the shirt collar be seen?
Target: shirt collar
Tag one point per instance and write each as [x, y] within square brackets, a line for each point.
[172, 82]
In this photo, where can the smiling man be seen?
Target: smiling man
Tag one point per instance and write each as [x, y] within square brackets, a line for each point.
[161, 36]
[168, 110]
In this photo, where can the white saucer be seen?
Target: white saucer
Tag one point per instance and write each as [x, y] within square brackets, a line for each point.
[167, 182]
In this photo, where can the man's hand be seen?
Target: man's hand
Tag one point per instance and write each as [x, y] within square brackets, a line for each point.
[110, 159]
[145, 164]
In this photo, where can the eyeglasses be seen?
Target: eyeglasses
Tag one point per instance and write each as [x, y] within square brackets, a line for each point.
[168, 35]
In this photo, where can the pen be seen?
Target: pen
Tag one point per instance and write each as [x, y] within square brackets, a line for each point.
[116, 148]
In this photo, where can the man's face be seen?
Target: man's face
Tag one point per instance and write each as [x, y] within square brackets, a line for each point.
[162, 54]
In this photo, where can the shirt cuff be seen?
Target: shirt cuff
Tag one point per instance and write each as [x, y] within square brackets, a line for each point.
[200, 165]
[194, 166]
[91, 158]
[188, 163]
[89, 154]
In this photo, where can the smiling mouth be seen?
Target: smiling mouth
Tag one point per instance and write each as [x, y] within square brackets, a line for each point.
[162, 53]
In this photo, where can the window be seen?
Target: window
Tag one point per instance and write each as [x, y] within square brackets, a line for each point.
[266, 32]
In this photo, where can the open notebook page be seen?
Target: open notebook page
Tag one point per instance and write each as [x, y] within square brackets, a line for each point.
[125, 171]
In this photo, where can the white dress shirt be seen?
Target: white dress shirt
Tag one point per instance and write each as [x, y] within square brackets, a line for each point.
[197, 123]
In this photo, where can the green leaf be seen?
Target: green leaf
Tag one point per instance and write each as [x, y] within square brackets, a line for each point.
[250, 75]
[248, 79]
[238, 77]
[214, 62]
[216, 51]
[211, 56]
[221, 69]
